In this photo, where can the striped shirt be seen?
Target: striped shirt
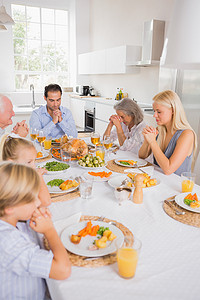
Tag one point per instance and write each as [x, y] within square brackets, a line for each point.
[134, 137]
[41, 120]
[22, 263]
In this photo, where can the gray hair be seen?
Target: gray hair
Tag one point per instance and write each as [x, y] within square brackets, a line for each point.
[129, 107]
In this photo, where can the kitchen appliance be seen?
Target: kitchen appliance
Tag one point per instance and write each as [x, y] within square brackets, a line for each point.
[79, 89]
[92, 94]
[86, 90]
[89, 116]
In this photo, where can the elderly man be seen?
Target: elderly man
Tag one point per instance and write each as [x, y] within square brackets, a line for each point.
[54, 119]
[6, 114]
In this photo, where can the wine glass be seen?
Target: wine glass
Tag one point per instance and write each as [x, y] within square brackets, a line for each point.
[34, 134]
[41, 137]
[107, 142]
[95, 138]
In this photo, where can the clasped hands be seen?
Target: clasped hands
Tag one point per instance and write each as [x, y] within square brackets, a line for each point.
[21, 128]
[115, 120]
[57, 116]
[41, 220]
[150, 133]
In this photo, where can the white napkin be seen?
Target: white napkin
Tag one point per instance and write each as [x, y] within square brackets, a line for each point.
[149, 170]
[60, 225]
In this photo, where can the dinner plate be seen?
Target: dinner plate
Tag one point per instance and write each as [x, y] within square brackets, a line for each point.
[96, 178]
[116, 181]
[56, 189]
[42, 165]
[82, 248]
[91, 168]
[179, 199]
[44, 155]
[140, 162]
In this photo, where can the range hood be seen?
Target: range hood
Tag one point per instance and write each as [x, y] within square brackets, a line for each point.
[153, 40]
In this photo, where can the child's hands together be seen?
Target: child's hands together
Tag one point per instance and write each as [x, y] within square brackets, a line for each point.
[41, 220]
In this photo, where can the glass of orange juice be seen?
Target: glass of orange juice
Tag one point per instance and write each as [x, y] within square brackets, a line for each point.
[127, 259]
[187, 181]
[47, 143]
[100, 151]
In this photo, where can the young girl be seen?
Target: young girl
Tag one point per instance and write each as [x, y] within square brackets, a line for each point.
[174, 143]
[23, 151]
[23, 265]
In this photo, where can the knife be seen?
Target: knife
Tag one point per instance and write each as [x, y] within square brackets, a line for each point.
[98, 257]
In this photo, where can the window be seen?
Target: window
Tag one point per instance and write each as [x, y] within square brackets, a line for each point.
[40, 39]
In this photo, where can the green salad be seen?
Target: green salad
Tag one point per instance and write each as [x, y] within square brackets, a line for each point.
[55, 166]
[91, 162]
[55, 182]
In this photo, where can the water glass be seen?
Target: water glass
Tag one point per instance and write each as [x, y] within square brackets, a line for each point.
[65, 156]
[187, 181]
[127, 259]
[85, 188]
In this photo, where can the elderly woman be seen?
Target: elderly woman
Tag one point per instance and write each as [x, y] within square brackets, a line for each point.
[174, 142]
[128, 125]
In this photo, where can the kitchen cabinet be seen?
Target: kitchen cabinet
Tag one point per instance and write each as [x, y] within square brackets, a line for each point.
[104, 111]
[77, 110]
[109, 61]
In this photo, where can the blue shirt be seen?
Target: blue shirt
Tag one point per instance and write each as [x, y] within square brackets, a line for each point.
[41, 120]
[23, 263]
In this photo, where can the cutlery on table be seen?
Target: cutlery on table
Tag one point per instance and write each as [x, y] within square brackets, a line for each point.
[177, 211]
[98, 257]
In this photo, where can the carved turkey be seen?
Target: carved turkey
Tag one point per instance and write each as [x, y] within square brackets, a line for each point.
[77, 148]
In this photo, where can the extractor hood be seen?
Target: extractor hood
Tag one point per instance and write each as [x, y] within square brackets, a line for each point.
[153, 40]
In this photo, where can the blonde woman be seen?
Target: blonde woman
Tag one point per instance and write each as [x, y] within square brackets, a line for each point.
[174, 142]
[23, 264]
[127, 125]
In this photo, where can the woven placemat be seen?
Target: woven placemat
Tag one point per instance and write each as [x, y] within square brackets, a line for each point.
[79, 261]
[111, 165]
[189, 218]
[65, 197]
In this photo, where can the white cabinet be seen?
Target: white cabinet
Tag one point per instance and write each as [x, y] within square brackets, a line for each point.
[103, 111]
[77, 109]
[100, 126]
[109, 61]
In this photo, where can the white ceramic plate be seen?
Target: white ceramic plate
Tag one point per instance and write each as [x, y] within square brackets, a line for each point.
[140, 162]
[42, 165]
[91, 168]
[179, 199]
[56, 189]
[44, 155]
[96, 178]
[117, 180]
[82, 248]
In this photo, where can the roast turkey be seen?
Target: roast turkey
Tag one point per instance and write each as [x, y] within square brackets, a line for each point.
[76, 147]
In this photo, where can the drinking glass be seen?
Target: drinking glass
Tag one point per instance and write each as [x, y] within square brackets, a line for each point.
[65, 156]
[41, 137]
[188, 180]
[85, 188]
[127, 259]
[100, 151]
[95, 138]
[34, 134]
[107, 142]
[47, 143]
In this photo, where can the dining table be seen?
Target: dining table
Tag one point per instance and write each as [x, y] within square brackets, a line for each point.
[169, 260]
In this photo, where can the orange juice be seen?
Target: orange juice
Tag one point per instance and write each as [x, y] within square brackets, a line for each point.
[41, 139]
[47, 144]
[95, 140]
[108, 146]
[101, 154]
[127, 259]
[187, 186]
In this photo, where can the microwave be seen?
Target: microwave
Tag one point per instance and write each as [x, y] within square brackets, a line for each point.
[79, 89]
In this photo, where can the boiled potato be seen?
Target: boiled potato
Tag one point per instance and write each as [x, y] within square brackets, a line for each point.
[111, 237]
[107, 233]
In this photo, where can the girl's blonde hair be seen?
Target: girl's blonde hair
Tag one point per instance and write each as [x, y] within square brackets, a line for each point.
[171, 100]
[12, 146]
[19, 184]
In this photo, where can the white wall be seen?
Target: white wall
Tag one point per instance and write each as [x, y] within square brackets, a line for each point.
[120, 22]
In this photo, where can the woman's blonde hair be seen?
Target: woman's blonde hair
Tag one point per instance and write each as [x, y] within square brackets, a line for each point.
[19, 184]
[171, 100]
[130, 108]
[12, 146]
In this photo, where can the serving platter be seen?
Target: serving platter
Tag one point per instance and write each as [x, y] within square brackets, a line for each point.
[81, 249]
[116, 181]
[96, 178]
[42, 165]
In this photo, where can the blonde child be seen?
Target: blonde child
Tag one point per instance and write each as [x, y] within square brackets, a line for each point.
[23, 151]
[23, 265]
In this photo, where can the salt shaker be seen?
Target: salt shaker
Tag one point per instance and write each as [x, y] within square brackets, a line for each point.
[138, 192]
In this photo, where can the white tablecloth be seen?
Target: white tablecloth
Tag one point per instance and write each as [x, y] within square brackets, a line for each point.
[169, 263]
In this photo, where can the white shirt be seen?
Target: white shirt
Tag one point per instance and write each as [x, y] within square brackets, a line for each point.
[134, 137]
[23, 263]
